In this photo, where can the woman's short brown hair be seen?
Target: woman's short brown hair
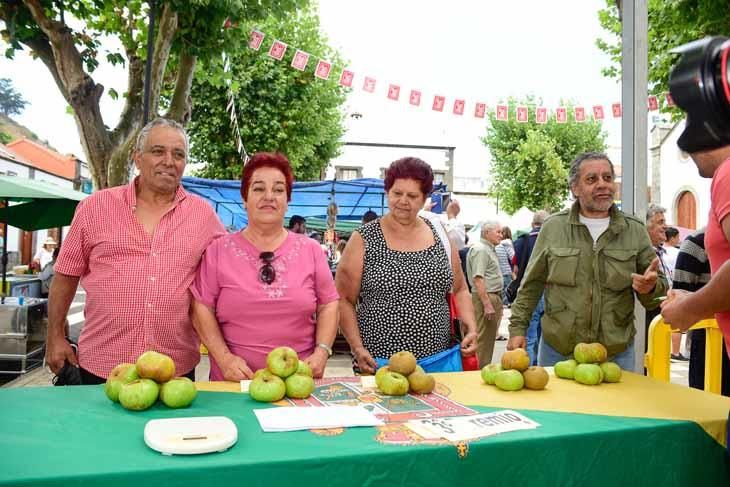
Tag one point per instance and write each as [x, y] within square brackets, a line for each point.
[410, 168]
[276, 160]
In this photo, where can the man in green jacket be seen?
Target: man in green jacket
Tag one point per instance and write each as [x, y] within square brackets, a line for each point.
[589, 260]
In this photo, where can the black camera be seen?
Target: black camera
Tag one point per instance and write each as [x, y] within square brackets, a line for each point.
[699, 86]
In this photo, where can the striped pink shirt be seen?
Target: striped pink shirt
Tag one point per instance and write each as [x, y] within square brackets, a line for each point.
[136, 284]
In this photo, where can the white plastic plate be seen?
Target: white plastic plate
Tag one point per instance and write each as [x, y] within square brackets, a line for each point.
[190, 436]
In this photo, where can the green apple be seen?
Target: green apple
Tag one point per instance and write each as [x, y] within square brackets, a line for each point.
[178, 392]
[509, 380]
[299, 386]
[590, 353]
[259, 372]
[489, 373]
[282, 361]
[566, 369]
[267, 387]
[588, 374]
[304, 368]
[156, 366]
[120, 375]
[139, 394]
[421, 382]
[381, 372]
[611, 372]
[392, 383]
[402, 362]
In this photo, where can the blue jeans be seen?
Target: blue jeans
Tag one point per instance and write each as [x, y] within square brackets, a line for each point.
[506, 279]
[534, 330]
[547, 356]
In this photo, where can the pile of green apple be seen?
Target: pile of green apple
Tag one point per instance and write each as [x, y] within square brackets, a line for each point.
[514, 373]
[589, 366]
[137, 386]
[284, 375]
[403, 374]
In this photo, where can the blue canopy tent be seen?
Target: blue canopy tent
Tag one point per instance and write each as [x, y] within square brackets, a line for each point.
[309, 199]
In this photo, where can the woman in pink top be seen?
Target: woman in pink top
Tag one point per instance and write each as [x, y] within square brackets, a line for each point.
[264, 287]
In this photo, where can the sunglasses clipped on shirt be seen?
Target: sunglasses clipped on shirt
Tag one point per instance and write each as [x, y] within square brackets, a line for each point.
[267, 273]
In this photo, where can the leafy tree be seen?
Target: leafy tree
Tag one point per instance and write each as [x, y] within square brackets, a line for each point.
[5, 138]
[671, 24]
[188, 32]
[530, 161]
[11, 102]
[279, 108]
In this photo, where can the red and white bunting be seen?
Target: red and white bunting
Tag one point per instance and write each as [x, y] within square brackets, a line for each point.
[459, 107]
[415, 98]
[502, 113]
[255, 40]
[653, 103]
[616, 109]
[438, 103]
[346, 78]
[541, 115]
[669, 99]
[561, 115]
[300, 60]
[394, 92]
[369, 84]
[580, 114]
[522, 114]
[277, 50]
[480, 110]
[323, 69]
[598, 112]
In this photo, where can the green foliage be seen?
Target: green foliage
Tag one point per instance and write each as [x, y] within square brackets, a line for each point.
[278, 107]
[11, 102]
[671, 24]
[530, 161]
[5, 138]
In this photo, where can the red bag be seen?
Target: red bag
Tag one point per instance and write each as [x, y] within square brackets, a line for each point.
[470, 362]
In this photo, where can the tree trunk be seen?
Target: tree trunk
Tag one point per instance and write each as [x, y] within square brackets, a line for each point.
[120, 162]
[181, 106]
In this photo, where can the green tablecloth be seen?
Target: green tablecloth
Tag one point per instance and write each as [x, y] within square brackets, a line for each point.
[75, 436]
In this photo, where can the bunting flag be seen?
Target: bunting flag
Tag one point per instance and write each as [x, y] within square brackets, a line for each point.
[300, 60]
[541, 115]
[394, 92]
[438, 103]
[346, 78]
[277, 50]
[255, 40]
[522, 114]
[598, 112]
[459, 107]
[480, 110]
[502, 112]
[369, 84]
[324, 68]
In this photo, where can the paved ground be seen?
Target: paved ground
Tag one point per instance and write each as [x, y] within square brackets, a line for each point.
[338, 366]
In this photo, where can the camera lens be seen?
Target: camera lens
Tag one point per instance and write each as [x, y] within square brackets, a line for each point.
[699, 86]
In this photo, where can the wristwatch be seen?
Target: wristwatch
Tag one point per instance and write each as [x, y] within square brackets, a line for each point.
[326, 348]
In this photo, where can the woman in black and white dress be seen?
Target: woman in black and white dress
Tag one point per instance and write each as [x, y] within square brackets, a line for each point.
[395, 274]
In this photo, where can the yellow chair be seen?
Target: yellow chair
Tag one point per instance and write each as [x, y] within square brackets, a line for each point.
[656, 359]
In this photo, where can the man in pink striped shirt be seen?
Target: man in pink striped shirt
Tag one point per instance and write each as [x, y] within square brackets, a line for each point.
[135, 249]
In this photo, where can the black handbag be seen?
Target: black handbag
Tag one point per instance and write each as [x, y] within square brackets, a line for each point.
[69, 375]
[511, 291]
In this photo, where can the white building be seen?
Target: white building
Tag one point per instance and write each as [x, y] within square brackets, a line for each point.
[675, 181]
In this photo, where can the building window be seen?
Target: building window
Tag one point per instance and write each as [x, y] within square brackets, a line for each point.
[382, 172]
[438, 177]
[348, 173]
[12, 173]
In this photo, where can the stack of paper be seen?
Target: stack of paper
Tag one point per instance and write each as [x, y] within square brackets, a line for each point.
[294, 418]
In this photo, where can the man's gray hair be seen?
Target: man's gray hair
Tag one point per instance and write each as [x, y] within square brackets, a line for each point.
[539, 218]
[653, 210]
[160, 122]
[488, 225]
[580, 159]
